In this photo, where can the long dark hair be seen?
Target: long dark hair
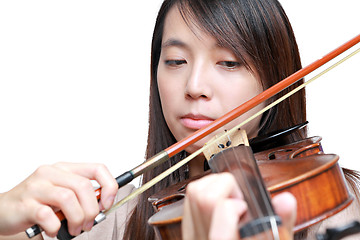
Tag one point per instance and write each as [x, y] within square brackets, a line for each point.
[260, 35]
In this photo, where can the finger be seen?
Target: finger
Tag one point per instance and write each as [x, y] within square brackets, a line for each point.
[109, 185]
[19, 213]
[188, 224]
[195, 223]
[206, 191]
[66, 200]
[101, 174]
[68, 186]
[45, 217]
[285, 206]
[39, 211]
[203, 195]
[225, 220]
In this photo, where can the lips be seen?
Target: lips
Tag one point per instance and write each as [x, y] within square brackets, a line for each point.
[196, 122]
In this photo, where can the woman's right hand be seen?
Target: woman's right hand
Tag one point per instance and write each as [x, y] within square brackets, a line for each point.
[62, 186]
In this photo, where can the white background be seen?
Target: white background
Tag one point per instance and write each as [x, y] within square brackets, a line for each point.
[74, 78]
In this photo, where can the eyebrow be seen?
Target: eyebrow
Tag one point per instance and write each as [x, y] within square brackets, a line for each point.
[173, 42]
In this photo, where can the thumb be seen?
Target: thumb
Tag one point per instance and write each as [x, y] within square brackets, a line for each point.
[285, 206]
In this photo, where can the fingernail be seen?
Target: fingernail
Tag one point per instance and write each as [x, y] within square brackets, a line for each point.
[77, 231]
[88, 226]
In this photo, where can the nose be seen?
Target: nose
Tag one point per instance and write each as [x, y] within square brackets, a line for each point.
[198, 83]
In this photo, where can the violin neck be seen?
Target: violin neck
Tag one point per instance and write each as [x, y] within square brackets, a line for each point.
[260, 217]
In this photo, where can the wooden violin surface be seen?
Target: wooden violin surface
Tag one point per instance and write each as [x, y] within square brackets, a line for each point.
[315, 179]
[317, 182]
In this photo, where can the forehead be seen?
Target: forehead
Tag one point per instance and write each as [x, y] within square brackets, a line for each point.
[175, 28]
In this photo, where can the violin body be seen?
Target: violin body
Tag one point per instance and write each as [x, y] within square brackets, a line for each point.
[317, 182]
[314, 178]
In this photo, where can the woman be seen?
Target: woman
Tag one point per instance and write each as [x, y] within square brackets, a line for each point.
[207, 58]
[247, 40]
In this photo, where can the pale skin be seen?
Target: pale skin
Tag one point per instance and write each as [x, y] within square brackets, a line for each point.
[64, 186]
[199, 81]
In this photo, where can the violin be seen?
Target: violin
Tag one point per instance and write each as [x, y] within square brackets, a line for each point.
[303, 169]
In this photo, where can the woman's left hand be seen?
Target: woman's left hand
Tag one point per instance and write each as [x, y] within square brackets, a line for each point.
[215, 203]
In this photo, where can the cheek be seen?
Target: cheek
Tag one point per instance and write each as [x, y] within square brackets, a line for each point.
[239, 90]
[169, 83]
[166, 87]
[164, 93]
[239, 93]
[170, 90]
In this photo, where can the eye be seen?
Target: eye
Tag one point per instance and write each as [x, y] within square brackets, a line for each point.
[174, 62]
[230, 64]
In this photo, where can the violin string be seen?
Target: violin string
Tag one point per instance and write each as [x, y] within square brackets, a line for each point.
[240, 175]
[244, 166]
[249, 193]
[274, 228]
[167, 172]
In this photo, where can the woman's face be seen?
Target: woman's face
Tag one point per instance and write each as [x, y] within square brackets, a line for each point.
[199, 81]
